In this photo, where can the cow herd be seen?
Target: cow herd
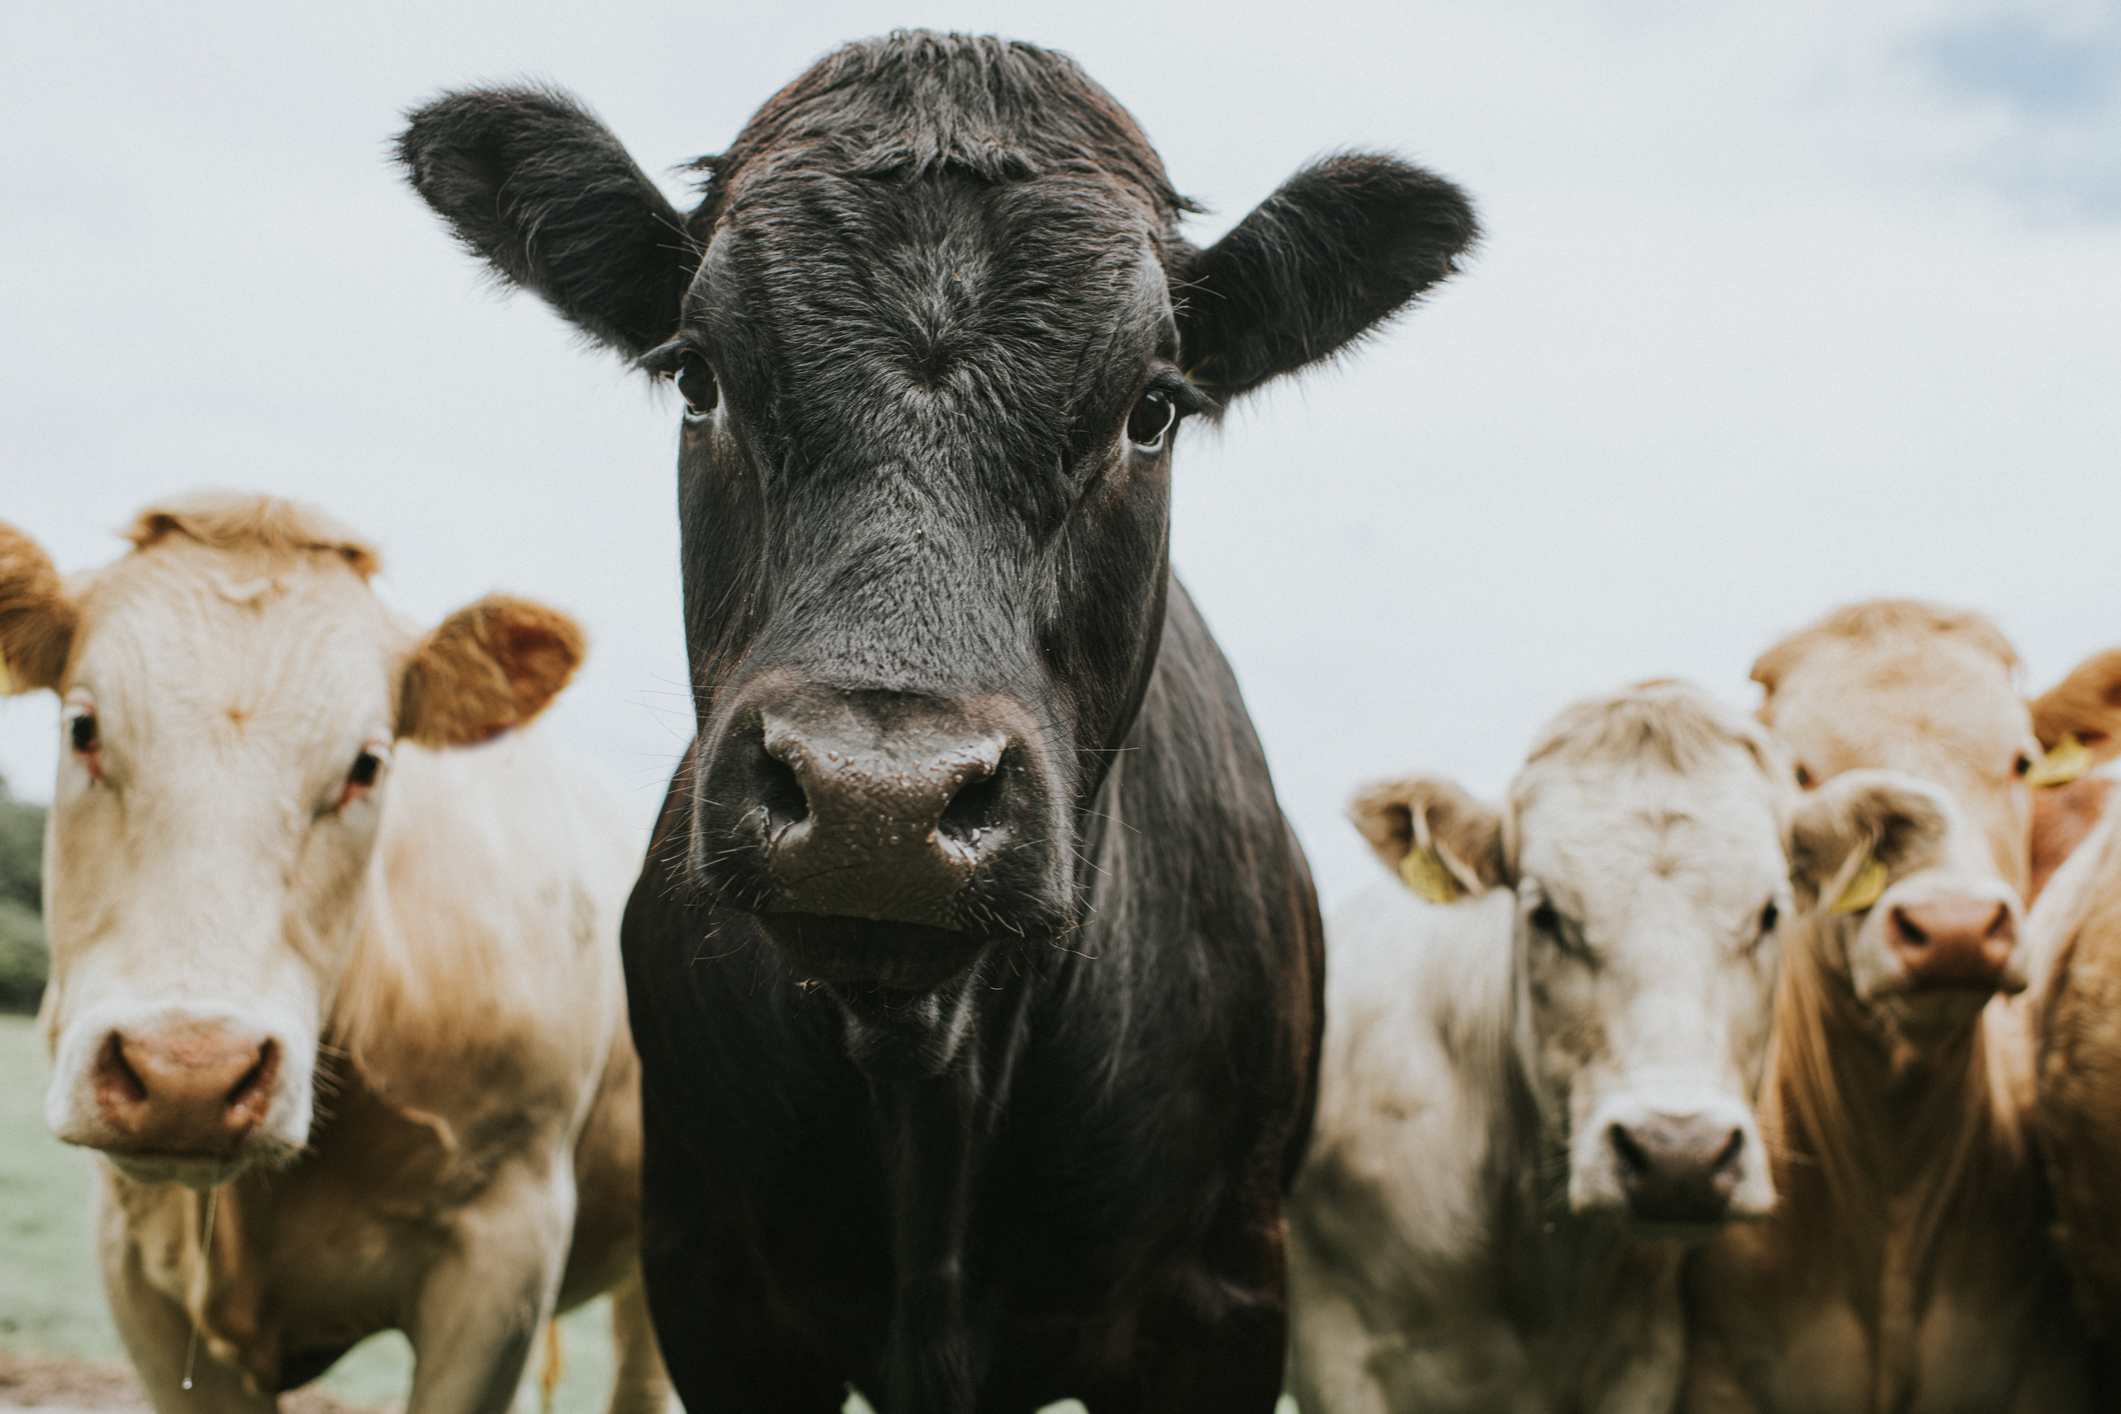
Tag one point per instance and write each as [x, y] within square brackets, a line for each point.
[970, 1038]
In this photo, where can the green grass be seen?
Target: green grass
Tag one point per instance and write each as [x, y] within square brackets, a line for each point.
[49, 1297]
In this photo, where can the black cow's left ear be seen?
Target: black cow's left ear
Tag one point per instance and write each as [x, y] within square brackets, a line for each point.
[546, 195]
[1341, 247]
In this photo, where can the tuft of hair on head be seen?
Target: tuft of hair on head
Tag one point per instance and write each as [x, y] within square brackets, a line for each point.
[916, 101]
[1901, 623]
[1663, 720]
[285, 532]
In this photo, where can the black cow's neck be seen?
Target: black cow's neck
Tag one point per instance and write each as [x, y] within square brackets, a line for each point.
[934, 1152]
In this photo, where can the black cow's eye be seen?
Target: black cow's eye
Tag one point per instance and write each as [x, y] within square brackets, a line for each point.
[696, 384]
[1151, 419]
[2023, 765]
[82, 732]
[1769, 917]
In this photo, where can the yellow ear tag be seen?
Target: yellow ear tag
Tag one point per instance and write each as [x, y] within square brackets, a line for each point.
[7, 684]
[1427, 877]
[2069, 759]
[1863, 890]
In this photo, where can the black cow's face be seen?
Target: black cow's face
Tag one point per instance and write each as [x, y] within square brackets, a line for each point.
[924, 477]
[933, 325]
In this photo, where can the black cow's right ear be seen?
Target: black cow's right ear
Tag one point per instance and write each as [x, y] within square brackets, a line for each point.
[1340, 248]
[545, 194]
[1441, 842]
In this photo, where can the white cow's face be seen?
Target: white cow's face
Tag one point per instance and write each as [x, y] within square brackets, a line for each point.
[1645, 841]
[1650, 905]
[226, 751]
[229, 718]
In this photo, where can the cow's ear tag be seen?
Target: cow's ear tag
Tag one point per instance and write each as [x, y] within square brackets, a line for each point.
[1425, 875]
[1863, 890]
[2068, 759]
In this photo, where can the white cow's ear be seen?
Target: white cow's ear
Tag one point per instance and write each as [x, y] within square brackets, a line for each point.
[489, 667]
[37, 617]
[1440, 841]
[1857, 819]
[2085, 705]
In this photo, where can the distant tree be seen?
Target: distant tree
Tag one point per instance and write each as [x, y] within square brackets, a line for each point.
[24, 958]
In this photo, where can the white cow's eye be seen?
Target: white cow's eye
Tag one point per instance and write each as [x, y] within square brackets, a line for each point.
[85, 735]
[367, 766]
[1562, 933]
[1769, 917]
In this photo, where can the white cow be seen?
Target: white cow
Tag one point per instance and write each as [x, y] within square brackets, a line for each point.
[1534, 1098]
[334, 989]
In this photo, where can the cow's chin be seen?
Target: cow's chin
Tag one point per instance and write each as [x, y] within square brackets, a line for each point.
[867, 954]
[1930, 1016]
[202, 1172]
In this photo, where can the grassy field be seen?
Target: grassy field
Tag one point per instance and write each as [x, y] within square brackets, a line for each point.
[50, 1300]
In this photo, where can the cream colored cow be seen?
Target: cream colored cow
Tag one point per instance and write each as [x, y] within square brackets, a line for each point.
[335, 985]
[1533, 1098]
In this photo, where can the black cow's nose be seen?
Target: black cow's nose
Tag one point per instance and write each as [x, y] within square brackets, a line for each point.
[1678, 1169]
[884, 807]
[880, 820]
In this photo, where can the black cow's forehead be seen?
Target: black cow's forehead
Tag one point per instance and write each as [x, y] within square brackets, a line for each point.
[1034, 303]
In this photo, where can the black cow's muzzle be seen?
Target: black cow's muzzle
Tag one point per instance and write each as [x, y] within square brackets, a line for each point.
[881, 836]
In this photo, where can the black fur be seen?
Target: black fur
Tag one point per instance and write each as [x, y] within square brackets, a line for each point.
[1342, 246]
[934, 277]
[536, 186]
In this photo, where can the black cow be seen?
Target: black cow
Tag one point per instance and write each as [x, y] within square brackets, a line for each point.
[975, 973]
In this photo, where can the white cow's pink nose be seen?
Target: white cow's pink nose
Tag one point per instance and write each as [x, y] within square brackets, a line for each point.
[183, 1090]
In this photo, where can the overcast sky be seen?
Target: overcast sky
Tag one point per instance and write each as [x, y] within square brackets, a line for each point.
[1780, 306]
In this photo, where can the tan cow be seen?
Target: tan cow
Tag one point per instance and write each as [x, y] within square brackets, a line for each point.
[335, 986]
[1531, 1099]
[2078, 1005]
[1906, 1267]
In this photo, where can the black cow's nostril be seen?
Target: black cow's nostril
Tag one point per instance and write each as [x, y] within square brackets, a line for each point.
[780, 793]
[975, 809]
